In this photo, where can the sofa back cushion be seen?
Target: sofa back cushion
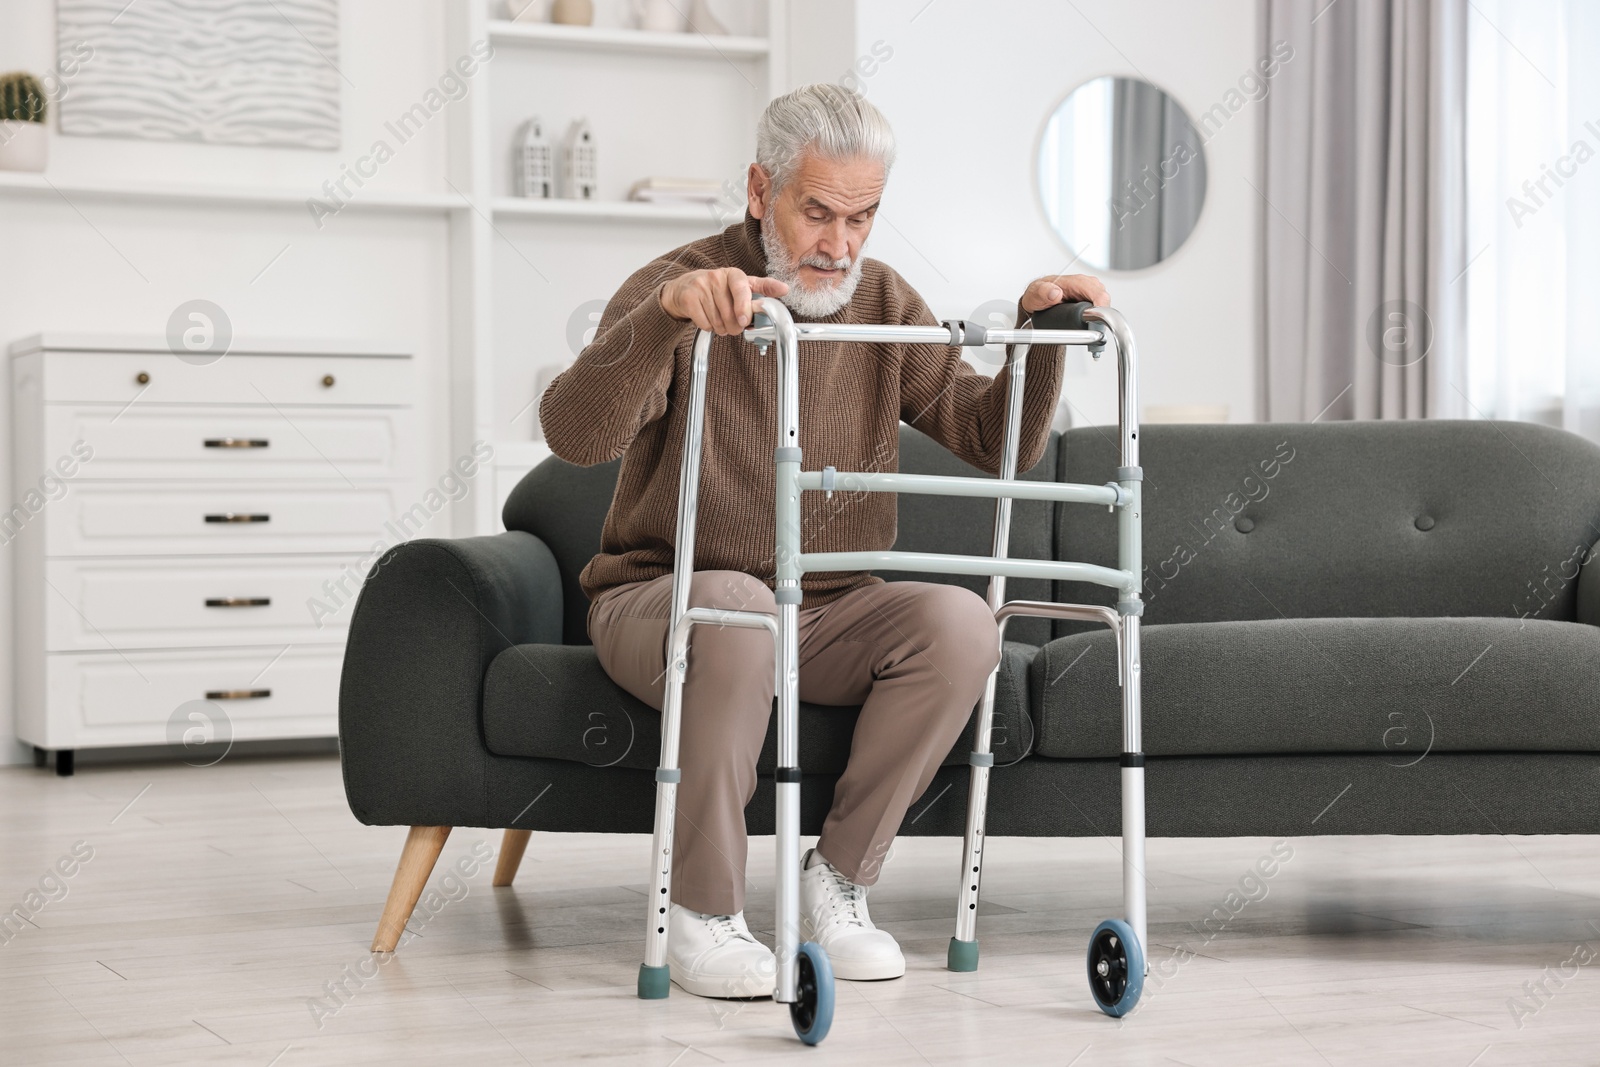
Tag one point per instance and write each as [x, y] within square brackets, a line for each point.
[565, 507]
[1349, 519]
[965, 526]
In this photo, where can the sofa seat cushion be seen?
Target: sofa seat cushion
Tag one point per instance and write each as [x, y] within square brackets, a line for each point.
[965, 526]
[557, 702]
[1396, 686]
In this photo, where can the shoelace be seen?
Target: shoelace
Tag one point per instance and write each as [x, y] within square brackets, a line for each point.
[845, 893]
[723, 929]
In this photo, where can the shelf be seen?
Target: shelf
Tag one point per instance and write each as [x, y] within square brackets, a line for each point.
[613, 210]
[12, 182]
[502, 31]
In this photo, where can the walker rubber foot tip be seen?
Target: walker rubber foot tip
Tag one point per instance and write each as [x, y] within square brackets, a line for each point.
[653, 982]
[963, 955]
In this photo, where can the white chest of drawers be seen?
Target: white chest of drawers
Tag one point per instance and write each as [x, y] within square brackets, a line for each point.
[187, 539]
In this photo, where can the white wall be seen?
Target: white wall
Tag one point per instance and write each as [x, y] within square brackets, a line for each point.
[968, 89]
[364, 274]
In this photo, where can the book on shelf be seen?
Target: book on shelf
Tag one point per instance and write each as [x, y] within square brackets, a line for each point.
[676, 191]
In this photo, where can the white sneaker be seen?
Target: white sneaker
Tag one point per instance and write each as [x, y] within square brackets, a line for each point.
[833, 913]
[718, 956]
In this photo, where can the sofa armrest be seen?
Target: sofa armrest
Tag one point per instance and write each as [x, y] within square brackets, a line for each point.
[431, 616]
[1589, 587]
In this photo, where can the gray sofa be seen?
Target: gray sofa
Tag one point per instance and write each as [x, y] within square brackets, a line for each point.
[1351, 628]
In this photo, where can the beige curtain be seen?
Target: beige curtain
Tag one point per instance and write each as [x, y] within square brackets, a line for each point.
[1362, 208]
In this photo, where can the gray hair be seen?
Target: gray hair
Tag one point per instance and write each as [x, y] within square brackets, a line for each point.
[830, 120]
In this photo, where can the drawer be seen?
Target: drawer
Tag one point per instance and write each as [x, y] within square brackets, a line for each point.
[221, 442]
[109, 519]
[264, 380]
[154, 698]
[172, 603]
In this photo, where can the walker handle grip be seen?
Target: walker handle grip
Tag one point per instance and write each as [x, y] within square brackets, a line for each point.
[1069, 316]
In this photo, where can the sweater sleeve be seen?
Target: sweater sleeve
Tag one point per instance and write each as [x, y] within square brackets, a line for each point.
[941, 395]
[594, 409]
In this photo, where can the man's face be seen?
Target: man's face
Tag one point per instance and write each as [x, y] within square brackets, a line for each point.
[823, 213]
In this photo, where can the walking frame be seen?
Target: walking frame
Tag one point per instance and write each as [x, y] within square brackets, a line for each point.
[1116, 961]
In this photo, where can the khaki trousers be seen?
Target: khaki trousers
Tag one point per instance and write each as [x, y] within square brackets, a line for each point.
[914, 655]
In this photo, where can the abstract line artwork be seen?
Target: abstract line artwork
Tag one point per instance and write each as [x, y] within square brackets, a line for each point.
[235, 72]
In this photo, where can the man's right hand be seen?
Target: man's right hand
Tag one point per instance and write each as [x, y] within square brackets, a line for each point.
[717, 300]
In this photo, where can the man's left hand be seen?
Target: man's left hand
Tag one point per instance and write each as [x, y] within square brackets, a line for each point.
[1060, 288]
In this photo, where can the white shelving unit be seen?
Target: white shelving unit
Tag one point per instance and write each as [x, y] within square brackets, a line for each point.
[532, 275]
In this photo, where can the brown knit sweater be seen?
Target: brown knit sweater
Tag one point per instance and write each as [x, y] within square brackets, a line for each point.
[627, 396]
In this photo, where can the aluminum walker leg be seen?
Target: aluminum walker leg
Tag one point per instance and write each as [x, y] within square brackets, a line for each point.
[787, 828]
[654, 976]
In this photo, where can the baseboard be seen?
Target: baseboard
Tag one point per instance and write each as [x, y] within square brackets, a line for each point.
[15, 752]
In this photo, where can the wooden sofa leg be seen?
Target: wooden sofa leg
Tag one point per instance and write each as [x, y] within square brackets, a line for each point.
[512, 846]
[423, 845]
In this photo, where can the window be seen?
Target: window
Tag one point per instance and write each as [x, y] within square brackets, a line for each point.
[1533, 212]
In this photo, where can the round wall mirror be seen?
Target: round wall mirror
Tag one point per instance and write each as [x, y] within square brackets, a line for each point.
[1122, 173]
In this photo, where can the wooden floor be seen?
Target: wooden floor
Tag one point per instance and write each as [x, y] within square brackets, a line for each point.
[222, 904]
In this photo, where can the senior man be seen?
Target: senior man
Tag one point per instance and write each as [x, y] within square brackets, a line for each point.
[915, 656]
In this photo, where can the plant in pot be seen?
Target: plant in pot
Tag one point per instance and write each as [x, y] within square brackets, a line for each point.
[23, 143]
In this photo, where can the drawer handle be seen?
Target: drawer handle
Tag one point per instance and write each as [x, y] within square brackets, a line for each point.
[238, 601]
[327, 381]
[237, 442]
[238, 694]
[235, 516]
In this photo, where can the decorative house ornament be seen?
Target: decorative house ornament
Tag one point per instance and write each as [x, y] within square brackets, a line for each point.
[581, 177]
[535, 174]
[239, 72]
[24, 144]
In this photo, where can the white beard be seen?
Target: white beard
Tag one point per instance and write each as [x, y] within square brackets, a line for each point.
[811, 303]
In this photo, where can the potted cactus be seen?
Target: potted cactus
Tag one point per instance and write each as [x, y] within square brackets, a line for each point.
[23, 143]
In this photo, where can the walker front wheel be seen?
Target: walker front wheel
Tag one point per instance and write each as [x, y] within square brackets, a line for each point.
[812, 1010]
[1116, 967]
